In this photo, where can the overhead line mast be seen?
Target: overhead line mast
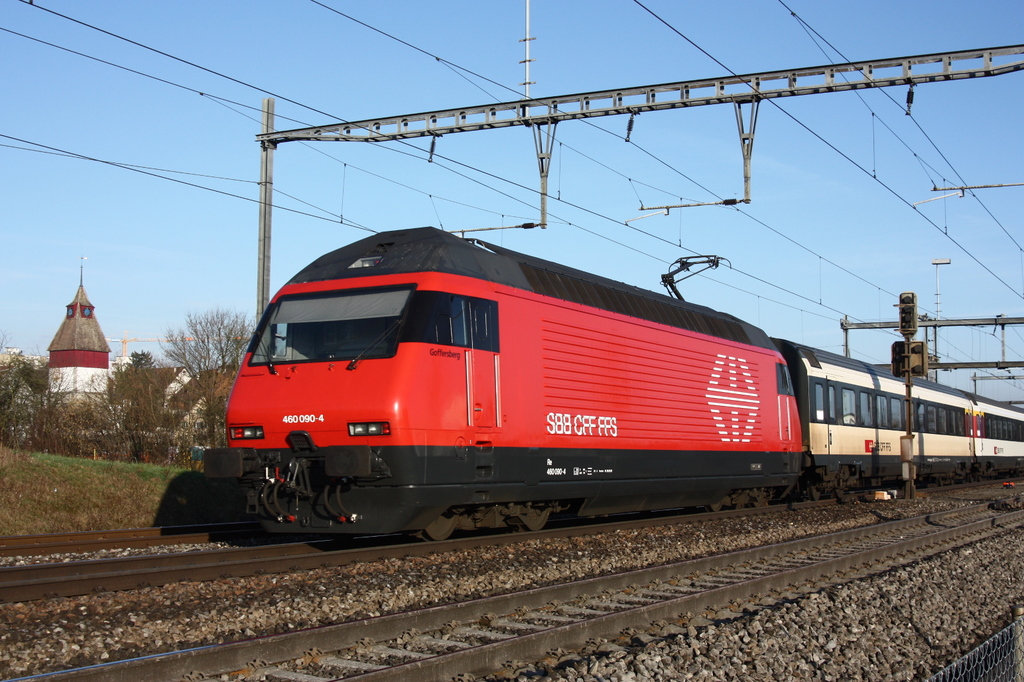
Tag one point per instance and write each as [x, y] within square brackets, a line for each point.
[734, 89]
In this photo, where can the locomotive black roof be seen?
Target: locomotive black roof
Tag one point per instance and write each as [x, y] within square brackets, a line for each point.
[427, 249]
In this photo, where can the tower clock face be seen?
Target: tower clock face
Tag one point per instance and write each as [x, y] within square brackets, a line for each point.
[71, 311]
[87, 311]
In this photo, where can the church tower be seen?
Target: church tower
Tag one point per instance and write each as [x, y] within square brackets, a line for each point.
[79, 353]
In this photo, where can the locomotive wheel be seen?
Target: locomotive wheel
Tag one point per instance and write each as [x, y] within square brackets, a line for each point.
[533, 518]
[440, 528]
[758, 498]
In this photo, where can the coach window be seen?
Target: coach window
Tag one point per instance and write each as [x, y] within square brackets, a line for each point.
[866, 410]
[941, 419]
[831, 407]
[930, 416]
[919, 417]
[849, 407]
[882, 412]
[819, 402]
[896, 410]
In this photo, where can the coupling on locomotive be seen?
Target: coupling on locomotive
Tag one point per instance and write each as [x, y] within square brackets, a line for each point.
[415, 381]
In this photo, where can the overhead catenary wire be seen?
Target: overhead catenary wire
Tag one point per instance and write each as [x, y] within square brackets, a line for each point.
[602, 129]
[916, 123]
[845, 156]
[139, 169]
[477, 170]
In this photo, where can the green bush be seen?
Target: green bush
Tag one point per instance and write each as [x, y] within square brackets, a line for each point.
[55, 494]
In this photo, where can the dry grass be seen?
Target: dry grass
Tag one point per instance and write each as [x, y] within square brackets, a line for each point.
[54, 494]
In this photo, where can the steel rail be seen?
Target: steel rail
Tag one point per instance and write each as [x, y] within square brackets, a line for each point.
[31, 582]
[837, 553]
[67, 579]
[87, 541]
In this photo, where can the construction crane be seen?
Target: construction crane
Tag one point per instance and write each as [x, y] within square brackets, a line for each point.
[124, 340]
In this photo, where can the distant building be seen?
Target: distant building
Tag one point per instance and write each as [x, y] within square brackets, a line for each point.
[11, 354]
[79, 353]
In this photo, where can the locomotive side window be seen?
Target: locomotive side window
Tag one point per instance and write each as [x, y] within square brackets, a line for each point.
[453, 320]
[782, 376]
[335, 326]
[485, 324]
[451, 324]
[819, 402]
[832, 405]
[849, 407]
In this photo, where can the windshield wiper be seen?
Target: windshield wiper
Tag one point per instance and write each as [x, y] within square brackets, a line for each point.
[355, 361]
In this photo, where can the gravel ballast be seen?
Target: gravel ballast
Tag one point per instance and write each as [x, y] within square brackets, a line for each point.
[891, 626]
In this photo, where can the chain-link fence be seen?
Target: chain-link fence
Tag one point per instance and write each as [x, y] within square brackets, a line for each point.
[999, 659]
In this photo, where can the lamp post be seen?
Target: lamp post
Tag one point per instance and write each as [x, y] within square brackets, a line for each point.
[938, 308]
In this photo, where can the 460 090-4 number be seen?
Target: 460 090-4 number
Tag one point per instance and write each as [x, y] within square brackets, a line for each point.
[302, 418]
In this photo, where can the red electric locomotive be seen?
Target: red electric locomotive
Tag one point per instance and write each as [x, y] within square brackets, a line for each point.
[417, 381]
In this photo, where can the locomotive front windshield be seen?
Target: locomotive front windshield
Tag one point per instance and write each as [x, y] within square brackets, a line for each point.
[335, 326]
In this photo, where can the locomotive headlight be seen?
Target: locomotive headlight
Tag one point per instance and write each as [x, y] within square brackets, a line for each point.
[246, 432]
[369, 429]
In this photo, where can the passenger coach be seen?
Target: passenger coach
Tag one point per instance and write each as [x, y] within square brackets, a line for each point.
[853, 414]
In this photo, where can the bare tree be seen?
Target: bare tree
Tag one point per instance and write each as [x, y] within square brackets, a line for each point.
[208, 349]
[139, 420]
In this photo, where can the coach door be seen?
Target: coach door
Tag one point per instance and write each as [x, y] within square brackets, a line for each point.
[823, 416]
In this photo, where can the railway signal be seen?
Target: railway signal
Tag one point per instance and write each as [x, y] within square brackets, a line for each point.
[908, 314]
[910, 358]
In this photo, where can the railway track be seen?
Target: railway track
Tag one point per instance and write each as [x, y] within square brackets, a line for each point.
[72, 578]
[478, 637]
[90, 541]
[35, 581]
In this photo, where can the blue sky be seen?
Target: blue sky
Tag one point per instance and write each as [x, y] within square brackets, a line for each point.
[822, 238]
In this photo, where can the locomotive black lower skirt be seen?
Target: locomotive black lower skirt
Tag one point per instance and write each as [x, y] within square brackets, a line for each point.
[393, 489]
